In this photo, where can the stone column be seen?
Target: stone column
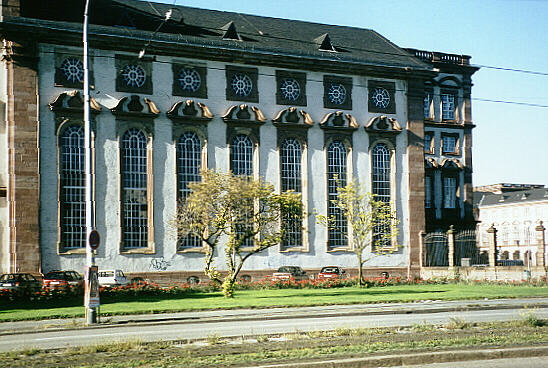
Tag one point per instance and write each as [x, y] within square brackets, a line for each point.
[541, 241]
[415, 157]
[451, 246]
[23, 195]
[492, 245]
[422, 249]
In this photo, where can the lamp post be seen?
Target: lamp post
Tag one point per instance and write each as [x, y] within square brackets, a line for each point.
[91, 274]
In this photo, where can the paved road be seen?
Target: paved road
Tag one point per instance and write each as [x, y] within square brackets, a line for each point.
[270, 323]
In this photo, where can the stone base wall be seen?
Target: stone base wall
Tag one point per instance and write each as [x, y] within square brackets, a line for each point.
[508, 273]
[165, 278]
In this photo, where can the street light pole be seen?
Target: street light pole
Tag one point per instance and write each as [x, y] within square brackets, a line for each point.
[91, 310]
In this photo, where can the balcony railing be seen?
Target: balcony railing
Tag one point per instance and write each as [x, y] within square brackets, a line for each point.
[440, 57]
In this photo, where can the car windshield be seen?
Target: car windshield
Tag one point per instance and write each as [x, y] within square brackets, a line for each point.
[54, 276]
[330, 270]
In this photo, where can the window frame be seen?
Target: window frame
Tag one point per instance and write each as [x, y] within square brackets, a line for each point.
[430, 148]
[177, 135]
[346, 82]
[123, 128]
[428, 111]
[391, 185]
[252, 73]
[61, 242]
[455, 95]
[456, 151]
[345, 245]
[281, 75]
[201, 92]
[59, 78]
[121, 61]
[304, 246]
[390, 87]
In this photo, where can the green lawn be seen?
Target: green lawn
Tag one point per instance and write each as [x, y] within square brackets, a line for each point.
[278, 298]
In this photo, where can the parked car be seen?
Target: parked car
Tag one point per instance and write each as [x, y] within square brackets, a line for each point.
[21, 283]
[290, 273]
[331, 272]
[63, 280]
[112, 278]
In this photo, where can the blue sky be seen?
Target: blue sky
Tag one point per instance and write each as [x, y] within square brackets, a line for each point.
[510, 142]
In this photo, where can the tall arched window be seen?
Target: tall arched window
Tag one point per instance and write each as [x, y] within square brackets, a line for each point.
[241, 163]
[189, 163]
[72, 188]
[336, 176]
[241, 155]
[134, 189]
[291, 177]
[381, 184]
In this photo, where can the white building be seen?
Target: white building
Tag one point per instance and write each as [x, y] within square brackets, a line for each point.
[293, 102]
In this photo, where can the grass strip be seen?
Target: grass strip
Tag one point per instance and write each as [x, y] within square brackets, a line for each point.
[279, 298]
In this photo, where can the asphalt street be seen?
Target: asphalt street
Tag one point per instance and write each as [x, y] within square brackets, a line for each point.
[200, 325]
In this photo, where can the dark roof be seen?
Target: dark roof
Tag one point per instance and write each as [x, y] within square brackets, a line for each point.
[193, 26]
[522, 196]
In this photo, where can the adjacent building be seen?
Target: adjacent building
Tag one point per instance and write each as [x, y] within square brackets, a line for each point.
[178, 89]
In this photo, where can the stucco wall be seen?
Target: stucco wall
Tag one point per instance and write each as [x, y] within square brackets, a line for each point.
[107, 167]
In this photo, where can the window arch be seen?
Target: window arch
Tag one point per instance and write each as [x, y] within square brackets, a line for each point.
[336, 176]
[189, 164]
[72, 188]
[381, 184]
[241, 155]
[134, 160]
[291, 179]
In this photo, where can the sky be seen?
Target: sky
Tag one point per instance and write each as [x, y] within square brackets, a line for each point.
[510, 141]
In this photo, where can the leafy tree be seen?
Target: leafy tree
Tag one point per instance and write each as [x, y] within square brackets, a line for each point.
[373, 223]
[235, 214]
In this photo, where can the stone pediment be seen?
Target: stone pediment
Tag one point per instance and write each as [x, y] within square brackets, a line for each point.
[241, 114]
[383, 124]
[131, 106]
[186, 111]
[431, 163]
[339, 121]
[73, 102]
[290, 117]
[451, 163]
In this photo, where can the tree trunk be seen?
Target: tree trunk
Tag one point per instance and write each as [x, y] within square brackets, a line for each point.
[360, 272]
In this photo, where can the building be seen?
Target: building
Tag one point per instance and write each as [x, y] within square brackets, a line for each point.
[176, 89]
[515, 212]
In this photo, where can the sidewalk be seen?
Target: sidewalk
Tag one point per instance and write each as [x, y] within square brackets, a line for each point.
[429, 306]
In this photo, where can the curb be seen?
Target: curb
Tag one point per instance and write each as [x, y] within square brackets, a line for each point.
[419, 358]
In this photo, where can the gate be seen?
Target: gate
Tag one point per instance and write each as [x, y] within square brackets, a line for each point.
[436, 249]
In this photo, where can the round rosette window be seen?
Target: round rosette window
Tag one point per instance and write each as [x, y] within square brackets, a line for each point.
[336, 93]
[189, 80]
[380, 98]
[73, 70]
[134, 75]
[290, 89]
[241, 85]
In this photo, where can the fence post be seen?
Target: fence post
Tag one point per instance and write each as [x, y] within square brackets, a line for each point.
[451, 245]
[540, 244]
[492, 245]
[422, 249]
